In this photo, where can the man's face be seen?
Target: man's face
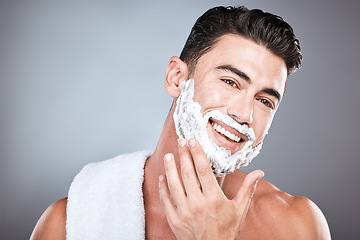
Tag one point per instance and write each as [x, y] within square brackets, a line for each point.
[243, 80]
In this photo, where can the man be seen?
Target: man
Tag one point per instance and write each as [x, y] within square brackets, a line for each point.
[227, 85]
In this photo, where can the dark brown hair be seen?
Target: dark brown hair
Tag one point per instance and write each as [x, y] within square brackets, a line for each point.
[265, 29]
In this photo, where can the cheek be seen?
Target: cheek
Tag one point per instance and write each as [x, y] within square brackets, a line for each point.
[209, 97]
[261, 125]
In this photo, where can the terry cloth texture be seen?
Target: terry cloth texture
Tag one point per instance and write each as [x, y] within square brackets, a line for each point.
[105, 200]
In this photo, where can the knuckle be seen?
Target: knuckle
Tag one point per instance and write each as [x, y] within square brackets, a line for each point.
[174, 187]
[174, 222]
[248, 190]
[196, 207]
[203, 171]
[168, 166]
[186, 174]
[251, 190]
[184, 217]
[214, 201]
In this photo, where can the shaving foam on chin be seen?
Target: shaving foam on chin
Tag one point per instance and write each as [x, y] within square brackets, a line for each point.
[189, 123]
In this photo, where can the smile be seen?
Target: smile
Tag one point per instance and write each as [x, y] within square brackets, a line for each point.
[226, 133]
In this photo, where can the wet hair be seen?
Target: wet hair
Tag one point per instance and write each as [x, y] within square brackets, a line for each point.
[263, 28]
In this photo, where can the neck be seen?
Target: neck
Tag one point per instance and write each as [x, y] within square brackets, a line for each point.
[167, 144]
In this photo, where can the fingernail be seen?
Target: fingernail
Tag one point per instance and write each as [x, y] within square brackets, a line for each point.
[192, 142]
[182, 142]
[161, 177]
[167, 157]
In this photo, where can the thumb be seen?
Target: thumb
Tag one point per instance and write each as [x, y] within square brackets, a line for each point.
[247, 189]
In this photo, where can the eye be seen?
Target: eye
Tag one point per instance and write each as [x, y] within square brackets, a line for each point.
[266, 103]
[230, 82]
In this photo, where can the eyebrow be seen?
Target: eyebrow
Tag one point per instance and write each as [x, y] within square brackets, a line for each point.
[235, 71]
[273, 93]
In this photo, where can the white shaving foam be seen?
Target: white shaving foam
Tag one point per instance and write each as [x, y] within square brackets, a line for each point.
[189, 123]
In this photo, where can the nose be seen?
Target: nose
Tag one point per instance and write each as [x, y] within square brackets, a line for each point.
[241, 108]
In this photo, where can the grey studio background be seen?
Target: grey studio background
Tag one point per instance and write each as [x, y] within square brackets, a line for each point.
[82, 81]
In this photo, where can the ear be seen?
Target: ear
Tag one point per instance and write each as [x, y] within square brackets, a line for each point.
[176, 72]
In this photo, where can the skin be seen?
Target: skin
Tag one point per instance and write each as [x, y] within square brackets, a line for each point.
[187, 201]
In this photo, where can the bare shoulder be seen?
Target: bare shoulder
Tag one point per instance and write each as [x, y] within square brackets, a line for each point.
[52, 223]
[290, 216]
[277, 214]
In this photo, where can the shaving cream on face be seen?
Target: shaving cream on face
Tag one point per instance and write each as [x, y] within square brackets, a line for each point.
[189, 123]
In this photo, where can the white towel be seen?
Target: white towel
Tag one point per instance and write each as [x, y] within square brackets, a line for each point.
[105, 200]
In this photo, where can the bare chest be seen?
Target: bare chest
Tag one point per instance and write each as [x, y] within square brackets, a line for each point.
[253, 228]
[259, 227]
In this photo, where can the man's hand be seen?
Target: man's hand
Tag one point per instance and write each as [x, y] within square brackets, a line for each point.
[195, 205]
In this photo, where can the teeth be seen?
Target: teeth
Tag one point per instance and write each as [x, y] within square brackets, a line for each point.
[227, 133]
[218, 128]
[222, 130]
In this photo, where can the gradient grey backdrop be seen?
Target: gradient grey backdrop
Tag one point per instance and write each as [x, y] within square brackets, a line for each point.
[82, 81]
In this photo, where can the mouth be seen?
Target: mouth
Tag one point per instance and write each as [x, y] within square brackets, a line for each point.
[226, 136]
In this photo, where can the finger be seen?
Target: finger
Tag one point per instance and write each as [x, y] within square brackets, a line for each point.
[247, 189]
[165, 199]
[174, 183]
[203, 169]
[188, 174]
